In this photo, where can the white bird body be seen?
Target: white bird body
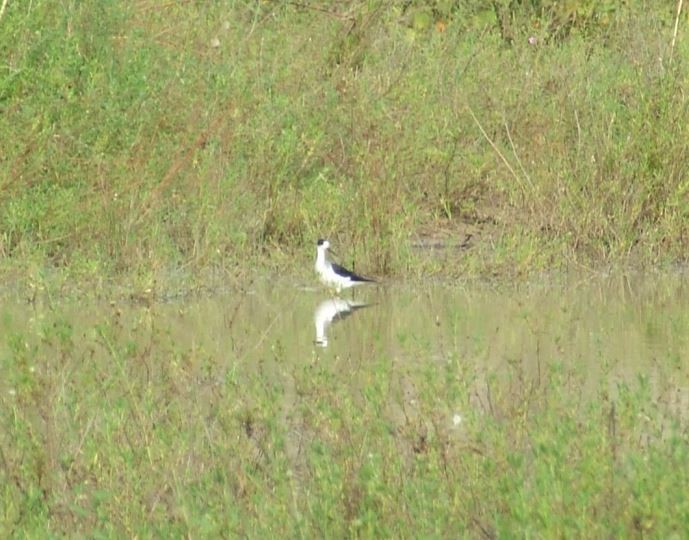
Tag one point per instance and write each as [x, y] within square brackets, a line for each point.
[331, 274]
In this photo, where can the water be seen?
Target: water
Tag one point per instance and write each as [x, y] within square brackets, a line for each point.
[616, 328]
[247, 410]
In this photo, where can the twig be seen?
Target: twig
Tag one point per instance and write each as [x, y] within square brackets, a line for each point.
[474, 53]
[514, 152]
[4, 5]
[674, 33]
[497, 150]
[176, 166]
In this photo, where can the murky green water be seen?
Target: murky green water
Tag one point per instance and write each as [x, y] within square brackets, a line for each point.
[614, 327]
[473, 406]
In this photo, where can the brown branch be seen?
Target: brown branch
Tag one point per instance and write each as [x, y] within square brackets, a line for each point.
[176, 166]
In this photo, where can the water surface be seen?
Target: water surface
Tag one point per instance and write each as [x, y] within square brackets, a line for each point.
[280, 408]
[613, 328]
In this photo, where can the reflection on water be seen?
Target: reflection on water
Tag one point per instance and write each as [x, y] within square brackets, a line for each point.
[611, 328]
[332, 310]
[226, 396]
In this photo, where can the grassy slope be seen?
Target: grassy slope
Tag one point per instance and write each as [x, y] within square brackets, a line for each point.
[135, 143]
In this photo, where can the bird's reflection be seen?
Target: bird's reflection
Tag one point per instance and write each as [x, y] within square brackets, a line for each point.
[332, 309]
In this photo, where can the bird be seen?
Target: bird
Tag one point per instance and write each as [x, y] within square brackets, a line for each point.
[333, 275]
[329, 311]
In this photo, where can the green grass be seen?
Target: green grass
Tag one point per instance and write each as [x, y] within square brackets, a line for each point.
[116, 427]
[135, 143]
[171, 145]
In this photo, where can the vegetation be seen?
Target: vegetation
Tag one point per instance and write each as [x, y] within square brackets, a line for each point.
[158, 143]
[141, 138]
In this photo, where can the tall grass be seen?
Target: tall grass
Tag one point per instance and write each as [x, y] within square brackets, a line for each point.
[139, 138]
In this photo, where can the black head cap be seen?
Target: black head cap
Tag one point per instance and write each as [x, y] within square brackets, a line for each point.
[320, 242]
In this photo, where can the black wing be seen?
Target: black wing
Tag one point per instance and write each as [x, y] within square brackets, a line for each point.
[341, 315]
[342, 271]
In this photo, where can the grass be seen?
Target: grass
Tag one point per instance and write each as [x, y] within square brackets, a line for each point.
[176, 144]
[117, 422]
[144, 139]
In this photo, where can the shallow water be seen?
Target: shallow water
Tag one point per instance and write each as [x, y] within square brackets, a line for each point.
[117, 414]
[613, 328]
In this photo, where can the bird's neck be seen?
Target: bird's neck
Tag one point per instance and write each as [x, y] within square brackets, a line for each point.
[320, 258]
